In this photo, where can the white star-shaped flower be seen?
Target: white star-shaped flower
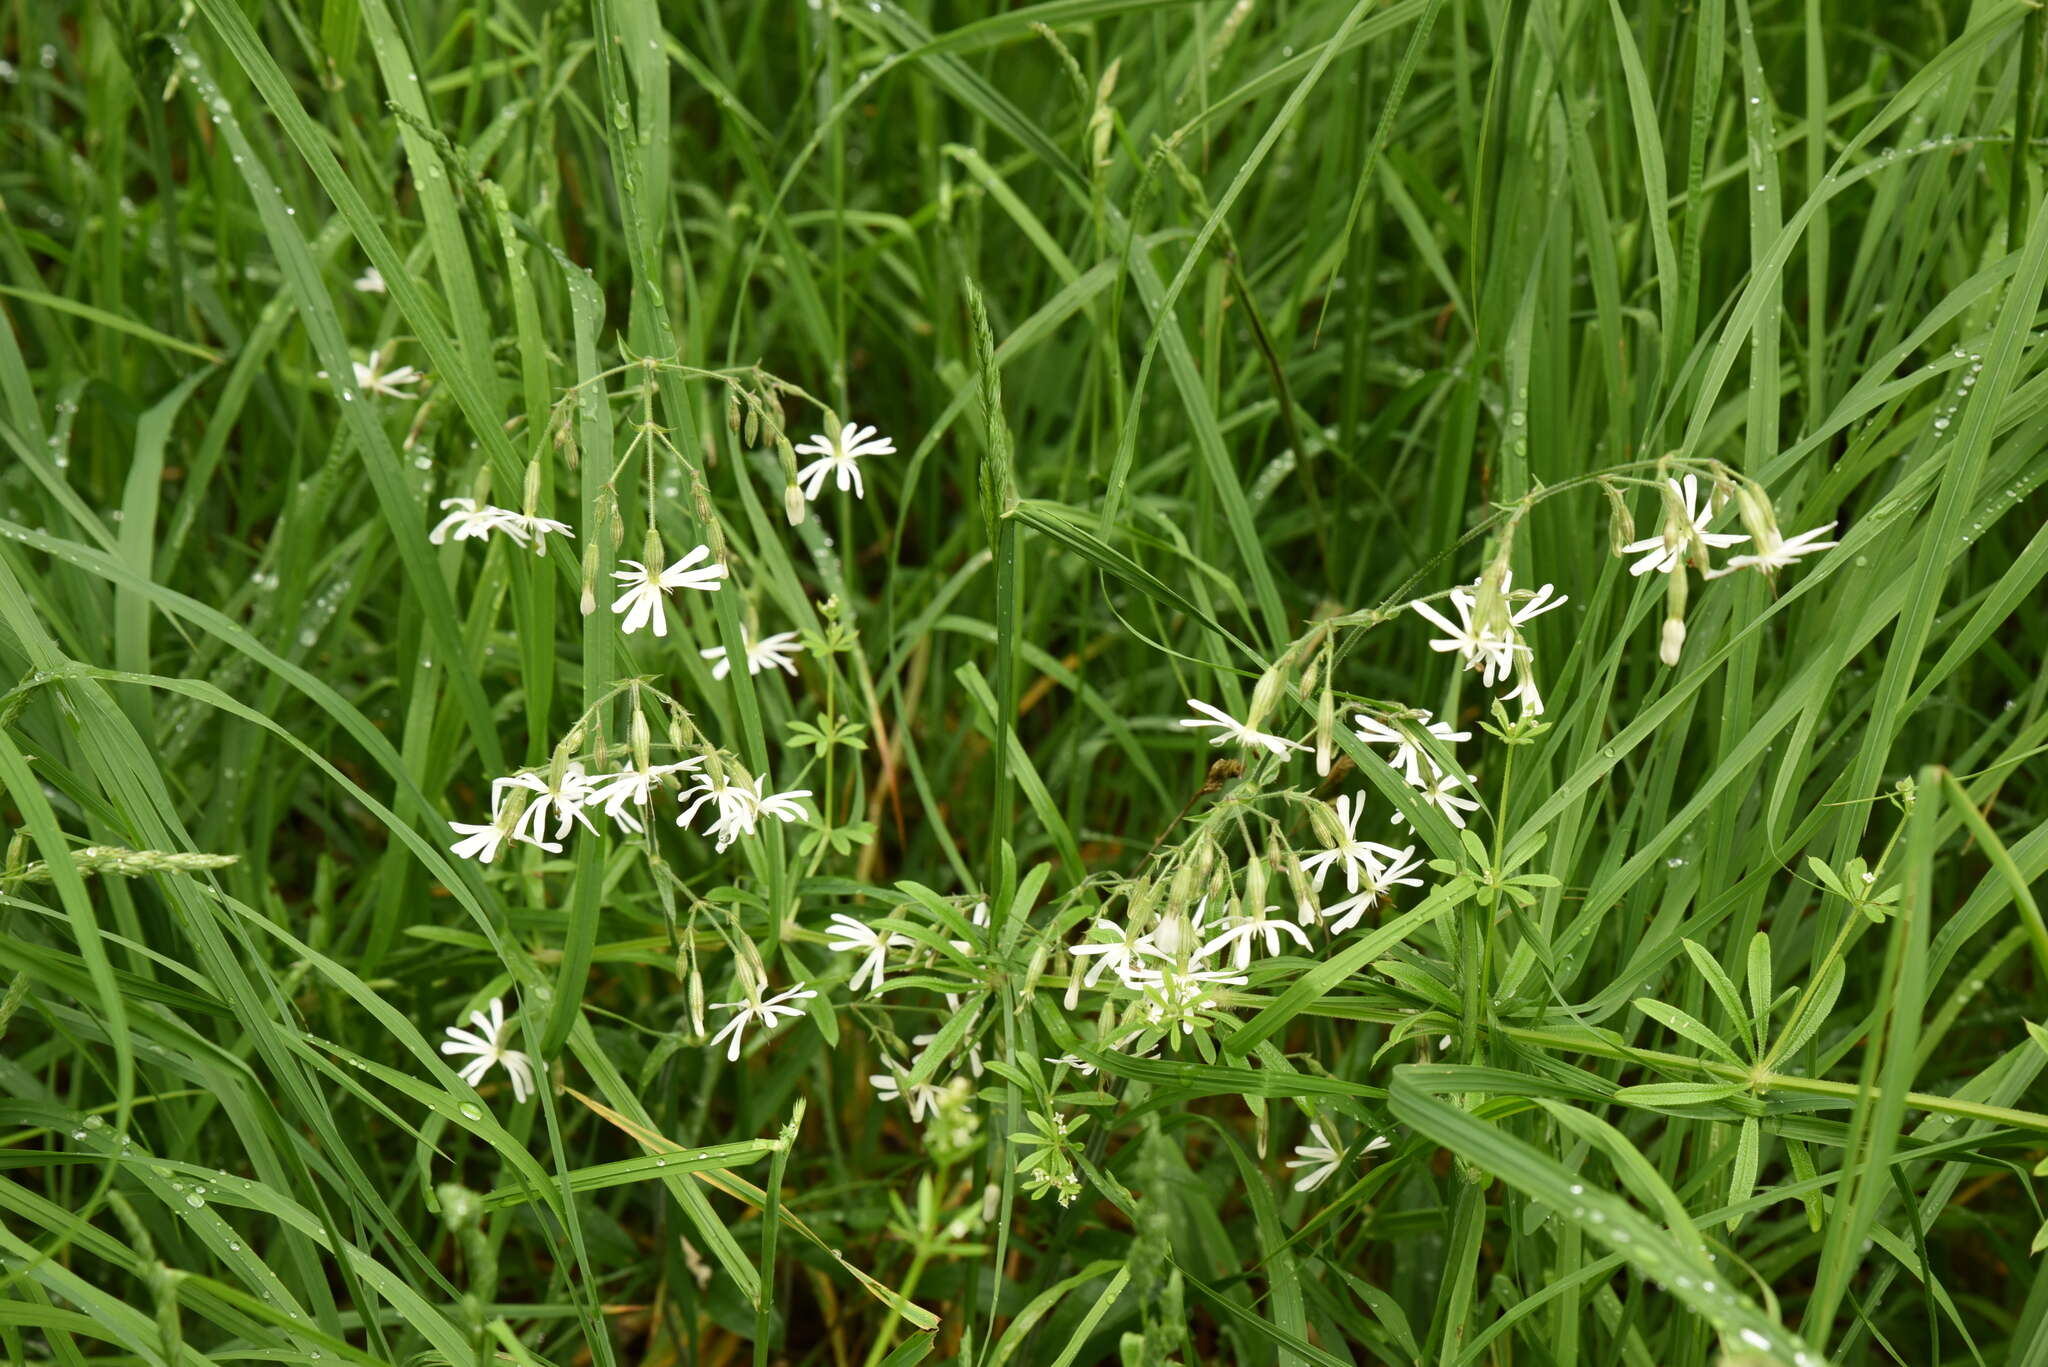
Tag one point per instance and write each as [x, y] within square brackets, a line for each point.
[840, 456]
[1229, 728]
[468, 522]
[1321, 1156]
[1481, 648]
[644, 598]
[1250, 925]
[480, 843]
[852, 936]
[563, 798]
[486, 1046]
[738, 807]
[1351, 854]
[1775, 552]
[373, 378]
[1408, 757]
[770, 652]
[632, 787]
[924, 1097]
[1111, 948]
[754, 1008]
[1380, 879]
[1441, 793]
[371, 281]
[1665, 552]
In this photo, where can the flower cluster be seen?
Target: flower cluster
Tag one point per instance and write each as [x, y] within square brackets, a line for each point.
[1684, 540]
[1487, 637]
[468, 522]
[541, 807]
[522, 803]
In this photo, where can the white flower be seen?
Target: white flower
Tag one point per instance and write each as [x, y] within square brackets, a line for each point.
[1533, 605]
[523, 525]
[1441, 792]
[1481, 648]
[1182, 997]
[372, 378]
[924, 1098]
[1229, 728]
[643, 601]
[632, 787]
[1079, 1065]
[733, 807]
[1118, 955]
[1491, 646]
[1525, 691]
[1665, 552]
[738, 807]
[1173, 939]
[487, 1044]
[1250, 925]
[770, 652]
[1351, 854]
[1380, 879]
[1408, 757]
[853, 936]
[564, 798]
[371, 281]
[471, 523]
[783, 807]
[753, 1008]
[1774, 552]
[1321, 1156]
[480, 843]
[840, 455]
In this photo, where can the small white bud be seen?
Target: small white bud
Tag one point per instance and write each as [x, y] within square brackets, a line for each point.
[1673, 641]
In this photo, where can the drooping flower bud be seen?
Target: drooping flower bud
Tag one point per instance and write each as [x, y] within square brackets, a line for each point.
[1621, 524]
[1672, 641]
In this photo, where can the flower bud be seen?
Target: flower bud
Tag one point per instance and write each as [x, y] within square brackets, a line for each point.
[589, 600]
[1326, 725]
[532, 490]
[1753, 507]
[1268, 691]
[1673, 641]
[638, 738]
[1255, 877]
[1621, 524]
[793, 504]
[695, 996]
